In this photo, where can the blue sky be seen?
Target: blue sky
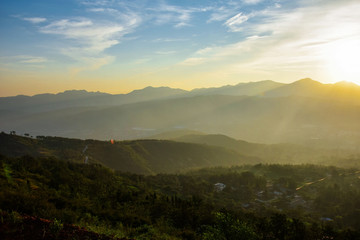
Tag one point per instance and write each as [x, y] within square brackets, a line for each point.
[117, 46]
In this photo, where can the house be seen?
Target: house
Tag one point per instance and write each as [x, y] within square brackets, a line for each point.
[219, 187]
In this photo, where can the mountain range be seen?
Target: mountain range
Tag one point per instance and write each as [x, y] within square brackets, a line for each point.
[303, 112]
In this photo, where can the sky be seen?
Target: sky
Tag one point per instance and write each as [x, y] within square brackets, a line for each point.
[115, 46]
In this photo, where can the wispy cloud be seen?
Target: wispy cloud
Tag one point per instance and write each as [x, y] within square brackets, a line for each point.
[142, 60]
[85, 39]
[295, 40]
[234, 23]
[25, 59]
[116, 14]
[10, 63]
[193, 61]
[204, 50]
[165, 52]
[96, 10]
[92, 37]
[252, 1]
[96, 2]
[35, 20]
[170, 40]
[90, 63]
[223, 12]
[32, 60]
[89, 39]
[178, 16]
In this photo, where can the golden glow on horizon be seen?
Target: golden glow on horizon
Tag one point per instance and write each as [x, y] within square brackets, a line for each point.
[343, 61]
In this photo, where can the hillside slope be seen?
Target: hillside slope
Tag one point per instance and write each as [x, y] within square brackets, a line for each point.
[271, 153]
[140, 156]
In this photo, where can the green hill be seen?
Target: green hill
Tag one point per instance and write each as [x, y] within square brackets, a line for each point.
[271, 153]
[170, 135]
[140, 156]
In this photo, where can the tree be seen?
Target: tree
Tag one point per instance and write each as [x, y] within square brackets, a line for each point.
[228, 227]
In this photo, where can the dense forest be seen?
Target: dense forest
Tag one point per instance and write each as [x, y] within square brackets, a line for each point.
[245, 202]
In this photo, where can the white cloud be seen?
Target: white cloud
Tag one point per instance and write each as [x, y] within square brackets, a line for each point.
[114, 13]
[91, 63]
[252, 1]
[223, 12]
[193, 61]
[142, 60]
[96, 2]
[35, 20]
[170, 40]
[85, 39]
[22, 61]
[204, 50]
[179, 16]
[165, 52]
[96, 10]
[182, 24]
[283, 40]
[93, 38]
[32, 60]
[88, 39]
[235, 22]
[27, 59]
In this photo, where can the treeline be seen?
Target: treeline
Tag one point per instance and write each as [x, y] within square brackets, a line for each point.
[148, 207]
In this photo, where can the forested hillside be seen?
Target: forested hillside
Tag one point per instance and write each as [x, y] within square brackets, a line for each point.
[140, 156]
[273, 153]
[257, 202]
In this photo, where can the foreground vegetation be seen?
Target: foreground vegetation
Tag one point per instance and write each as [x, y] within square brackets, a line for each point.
[257, 202]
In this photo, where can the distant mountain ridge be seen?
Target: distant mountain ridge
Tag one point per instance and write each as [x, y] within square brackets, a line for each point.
[81, 98]
[305, 112]
[248, 89]
[307, 87]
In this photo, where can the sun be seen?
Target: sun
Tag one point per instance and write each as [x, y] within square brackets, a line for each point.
[343, 60]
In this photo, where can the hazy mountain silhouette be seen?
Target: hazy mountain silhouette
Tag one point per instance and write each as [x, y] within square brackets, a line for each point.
[341, 91]
[248, 89]
[82, 98]
[305, 112]
[304, 87]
